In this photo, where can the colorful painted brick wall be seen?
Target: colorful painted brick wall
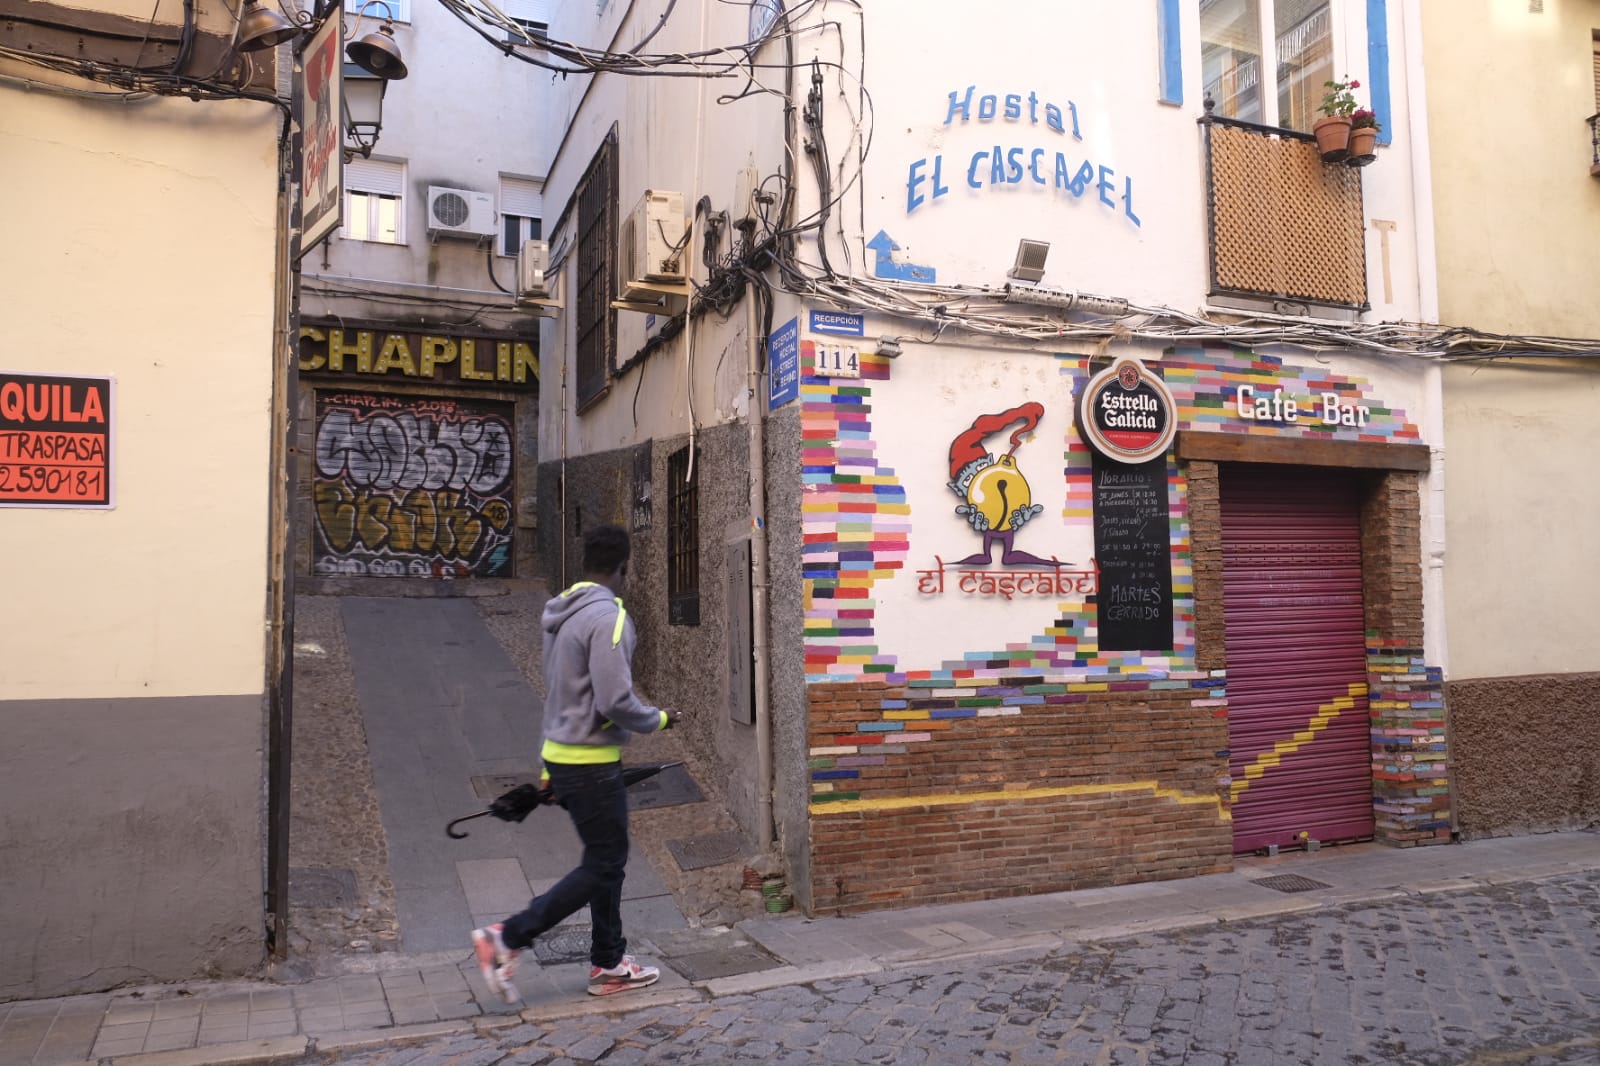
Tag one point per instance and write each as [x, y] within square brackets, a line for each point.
[1034, 761]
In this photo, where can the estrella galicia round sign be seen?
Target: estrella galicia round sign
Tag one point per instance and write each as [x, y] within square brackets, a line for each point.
[1126, 413]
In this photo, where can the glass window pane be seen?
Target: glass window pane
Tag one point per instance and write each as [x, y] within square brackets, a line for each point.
[1230, 56]
[357, 219]
[388, 221]
[511, 235]
[1305, 59]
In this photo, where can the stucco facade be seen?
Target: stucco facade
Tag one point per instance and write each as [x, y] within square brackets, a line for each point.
[133, 673]
[963, 703]
[1516, 260]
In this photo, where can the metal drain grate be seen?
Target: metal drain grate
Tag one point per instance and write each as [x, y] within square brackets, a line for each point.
[670, 787]
[1289, 883]
[713, 849]
[489, 787]
[564, 943]
[313, 887]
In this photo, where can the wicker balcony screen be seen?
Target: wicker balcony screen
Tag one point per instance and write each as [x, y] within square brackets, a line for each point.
[1284, 224]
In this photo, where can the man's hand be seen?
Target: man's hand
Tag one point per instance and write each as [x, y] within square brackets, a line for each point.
[672, 717]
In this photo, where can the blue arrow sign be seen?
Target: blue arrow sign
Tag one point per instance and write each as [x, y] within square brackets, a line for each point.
[884, 265]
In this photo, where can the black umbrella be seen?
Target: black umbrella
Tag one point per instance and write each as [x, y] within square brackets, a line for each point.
[517, 804]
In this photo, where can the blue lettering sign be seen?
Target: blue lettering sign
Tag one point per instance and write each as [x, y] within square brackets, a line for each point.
[783, 364]
[1001, 165]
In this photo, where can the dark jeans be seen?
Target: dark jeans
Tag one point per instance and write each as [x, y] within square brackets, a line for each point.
[597, 800]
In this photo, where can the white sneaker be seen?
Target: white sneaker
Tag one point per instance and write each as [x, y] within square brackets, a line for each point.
[496, 962]
[625, 975]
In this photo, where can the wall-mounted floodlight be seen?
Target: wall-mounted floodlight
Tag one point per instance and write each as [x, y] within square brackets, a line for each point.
[1030, 260]
[889, 347]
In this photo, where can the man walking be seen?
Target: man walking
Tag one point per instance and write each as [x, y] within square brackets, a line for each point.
[589, 709]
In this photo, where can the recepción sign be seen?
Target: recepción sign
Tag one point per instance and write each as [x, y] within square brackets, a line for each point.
[55, 441]
[1126, 413]
[838, 323]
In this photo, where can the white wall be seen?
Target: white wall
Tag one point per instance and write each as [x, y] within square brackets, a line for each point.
[1099, 62]
[465, 115]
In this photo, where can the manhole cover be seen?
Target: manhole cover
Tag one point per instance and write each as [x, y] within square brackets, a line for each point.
[713, 849]
[668, 788]
[489, 787]
[1289, 883]
[565, 943]
[311, 887]
[724, 962]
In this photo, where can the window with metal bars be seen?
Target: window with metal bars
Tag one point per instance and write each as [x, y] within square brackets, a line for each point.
[596, 283]
[683, 540]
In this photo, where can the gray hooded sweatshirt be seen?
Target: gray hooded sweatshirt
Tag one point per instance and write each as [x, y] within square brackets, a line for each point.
[589, 703]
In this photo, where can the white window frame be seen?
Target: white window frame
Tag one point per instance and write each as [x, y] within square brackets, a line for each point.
[520, 198]
[373, 180]
[395, 10]
[1339, 17]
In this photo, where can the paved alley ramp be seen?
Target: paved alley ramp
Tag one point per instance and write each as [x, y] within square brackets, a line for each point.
[444, 705]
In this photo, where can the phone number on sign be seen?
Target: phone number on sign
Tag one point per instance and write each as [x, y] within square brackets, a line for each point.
[50, 483]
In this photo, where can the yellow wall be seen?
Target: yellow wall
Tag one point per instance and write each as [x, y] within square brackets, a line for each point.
[1524, 520]
[149, 229]
[1516, 211]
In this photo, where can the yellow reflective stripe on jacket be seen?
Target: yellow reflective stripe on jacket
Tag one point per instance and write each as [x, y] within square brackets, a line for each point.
[622, 612]
[580, 754]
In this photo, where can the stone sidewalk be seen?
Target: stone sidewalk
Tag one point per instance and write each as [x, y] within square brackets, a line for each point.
[387, 998]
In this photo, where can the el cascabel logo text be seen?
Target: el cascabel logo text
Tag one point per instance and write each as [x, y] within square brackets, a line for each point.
[1064, 171]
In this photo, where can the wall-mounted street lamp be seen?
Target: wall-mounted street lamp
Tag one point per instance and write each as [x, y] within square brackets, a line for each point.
[363, 113]
[261, 27]
[377, 53]
[379, 58]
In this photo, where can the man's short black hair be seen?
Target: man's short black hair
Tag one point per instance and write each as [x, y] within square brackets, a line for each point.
[605, 549]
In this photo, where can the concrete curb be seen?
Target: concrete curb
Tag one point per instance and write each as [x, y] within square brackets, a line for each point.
[783, 976]
[240, 1054]
[620, 1004]
[357, 1039]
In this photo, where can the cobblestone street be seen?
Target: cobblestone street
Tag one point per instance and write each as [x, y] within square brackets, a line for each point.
[1503, 976]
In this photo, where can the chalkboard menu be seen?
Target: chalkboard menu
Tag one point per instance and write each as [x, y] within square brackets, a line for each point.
[1132, 546]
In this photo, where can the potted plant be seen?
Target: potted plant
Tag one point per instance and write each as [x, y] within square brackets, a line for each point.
[1333, 129]
[1364, 130]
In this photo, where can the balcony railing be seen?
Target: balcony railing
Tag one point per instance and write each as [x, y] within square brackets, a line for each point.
[1594, 145]
[1284, 224]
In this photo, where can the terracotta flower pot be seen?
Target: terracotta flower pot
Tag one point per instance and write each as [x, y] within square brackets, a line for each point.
[1333, 138]
[1363, 146]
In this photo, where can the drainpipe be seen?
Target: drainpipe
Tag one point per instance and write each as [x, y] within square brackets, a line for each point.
[759, 630]
[561, 533]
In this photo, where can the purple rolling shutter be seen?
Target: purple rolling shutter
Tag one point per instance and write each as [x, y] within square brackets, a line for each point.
[1297, 702]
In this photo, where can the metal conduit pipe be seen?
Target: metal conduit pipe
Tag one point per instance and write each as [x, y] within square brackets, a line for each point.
[759, 630]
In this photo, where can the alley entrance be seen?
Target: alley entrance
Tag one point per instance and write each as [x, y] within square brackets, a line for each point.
[1298, 726]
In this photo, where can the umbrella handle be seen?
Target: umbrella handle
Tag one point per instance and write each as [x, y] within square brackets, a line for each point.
[450, 828]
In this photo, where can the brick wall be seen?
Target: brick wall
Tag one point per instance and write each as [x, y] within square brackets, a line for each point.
[1405, 696]
[1090, 788]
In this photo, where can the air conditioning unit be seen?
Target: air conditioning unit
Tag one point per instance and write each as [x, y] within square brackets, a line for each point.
[533, 260]
[460, 212]
[655, 246]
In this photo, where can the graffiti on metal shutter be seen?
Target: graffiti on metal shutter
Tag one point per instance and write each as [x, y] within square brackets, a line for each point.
[412, 487]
